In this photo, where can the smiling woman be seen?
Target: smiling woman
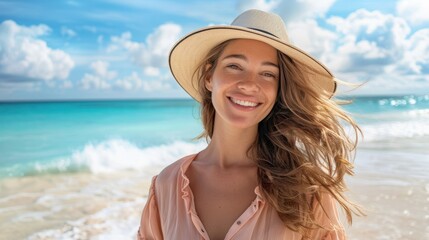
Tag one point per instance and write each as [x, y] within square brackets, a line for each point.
[277, 155]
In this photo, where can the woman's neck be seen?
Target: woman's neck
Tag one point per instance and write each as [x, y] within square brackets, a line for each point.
[229, 146]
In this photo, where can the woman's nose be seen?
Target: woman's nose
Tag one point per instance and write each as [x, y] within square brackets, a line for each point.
[249, 83]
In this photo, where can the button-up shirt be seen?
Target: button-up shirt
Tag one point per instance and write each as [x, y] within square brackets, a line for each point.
[170, 213]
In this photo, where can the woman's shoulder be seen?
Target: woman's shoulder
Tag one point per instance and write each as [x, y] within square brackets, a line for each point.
[327, 217]
[325, 210]
[172, 171]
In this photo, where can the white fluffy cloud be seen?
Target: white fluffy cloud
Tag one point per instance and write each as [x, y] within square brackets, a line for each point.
[134, 82]
[414, 11]
[130, 82]
[101, 69]
[417, 55]
[316, 40]
[100, 77]
[382, 49]
[67, 84]
[154, 85]
[151, 56]
[23, 54]
[369, 41]
[153, 53]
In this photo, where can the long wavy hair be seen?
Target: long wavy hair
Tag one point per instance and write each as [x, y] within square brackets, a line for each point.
[302, 147]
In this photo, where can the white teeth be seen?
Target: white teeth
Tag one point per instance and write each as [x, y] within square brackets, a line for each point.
[244, 103]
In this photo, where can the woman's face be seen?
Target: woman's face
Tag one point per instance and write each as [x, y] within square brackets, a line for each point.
[244, 82]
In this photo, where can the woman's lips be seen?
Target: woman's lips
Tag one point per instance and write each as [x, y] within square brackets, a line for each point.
[243, 104]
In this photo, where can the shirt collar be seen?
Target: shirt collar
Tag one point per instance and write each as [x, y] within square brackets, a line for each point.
[186, 190]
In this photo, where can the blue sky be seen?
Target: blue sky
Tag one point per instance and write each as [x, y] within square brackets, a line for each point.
[111, 49]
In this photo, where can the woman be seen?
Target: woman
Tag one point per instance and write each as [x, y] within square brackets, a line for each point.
[277, 155]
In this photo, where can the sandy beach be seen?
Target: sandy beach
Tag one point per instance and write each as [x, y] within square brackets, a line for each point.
[394, 190]
[392, 186]
[72, 206]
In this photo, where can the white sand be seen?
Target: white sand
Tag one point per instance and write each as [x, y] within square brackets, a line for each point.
[33, 204]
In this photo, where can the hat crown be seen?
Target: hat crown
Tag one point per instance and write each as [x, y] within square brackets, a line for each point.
[265, 22]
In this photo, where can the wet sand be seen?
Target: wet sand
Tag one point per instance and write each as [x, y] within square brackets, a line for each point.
[393, 212]
[32, 204]
[393, 187]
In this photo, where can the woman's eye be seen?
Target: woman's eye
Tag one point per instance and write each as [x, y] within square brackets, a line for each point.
[233, 66]
[269, 75]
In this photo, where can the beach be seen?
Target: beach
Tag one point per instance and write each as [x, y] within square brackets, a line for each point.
[94, 186]
[396, 199]
[73, 206]
[108, 206]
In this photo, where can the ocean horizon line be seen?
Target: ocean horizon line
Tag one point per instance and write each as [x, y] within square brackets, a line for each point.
[182, 98]
[89, 100]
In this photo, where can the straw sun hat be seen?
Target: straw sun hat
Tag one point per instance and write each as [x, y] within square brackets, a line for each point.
[269, 28]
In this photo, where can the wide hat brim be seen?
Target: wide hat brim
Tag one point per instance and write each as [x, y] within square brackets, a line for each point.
[187, 54]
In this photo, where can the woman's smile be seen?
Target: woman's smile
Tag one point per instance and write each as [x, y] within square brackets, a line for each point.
[243, 105]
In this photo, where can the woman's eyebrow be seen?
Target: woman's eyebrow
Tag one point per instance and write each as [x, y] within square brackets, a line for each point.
[240, 56]
[270, 64]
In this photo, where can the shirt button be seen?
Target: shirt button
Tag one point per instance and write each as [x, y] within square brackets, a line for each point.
[238, 222]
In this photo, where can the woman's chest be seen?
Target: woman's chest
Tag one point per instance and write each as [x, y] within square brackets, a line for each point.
[220, 199]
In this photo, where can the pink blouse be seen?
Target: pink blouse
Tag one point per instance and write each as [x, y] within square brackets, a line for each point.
[170, 213]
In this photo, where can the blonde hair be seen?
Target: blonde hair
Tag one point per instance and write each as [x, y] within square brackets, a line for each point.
[301, 148]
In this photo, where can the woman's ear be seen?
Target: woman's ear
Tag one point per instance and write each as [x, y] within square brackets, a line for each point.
[208, 83]
[208, 80]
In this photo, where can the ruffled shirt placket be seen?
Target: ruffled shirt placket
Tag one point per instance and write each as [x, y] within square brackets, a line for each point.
[254, 209]
[190, 205]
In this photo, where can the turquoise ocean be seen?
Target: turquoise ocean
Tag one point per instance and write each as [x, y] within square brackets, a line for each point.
[48, 137]
[56, 157]
[53, 137]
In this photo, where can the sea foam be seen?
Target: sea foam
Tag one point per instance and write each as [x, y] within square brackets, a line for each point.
[393, 125]
[395, 130]
[119, 155]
